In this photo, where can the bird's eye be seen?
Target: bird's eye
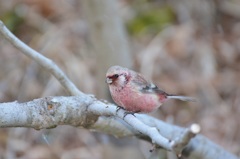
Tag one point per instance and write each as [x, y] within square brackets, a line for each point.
[115, 76]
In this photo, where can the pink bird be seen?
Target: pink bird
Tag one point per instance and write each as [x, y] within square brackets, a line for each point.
[132, 92]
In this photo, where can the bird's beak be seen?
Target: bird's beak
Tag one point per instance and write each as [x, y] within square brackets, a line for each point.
[108, 80]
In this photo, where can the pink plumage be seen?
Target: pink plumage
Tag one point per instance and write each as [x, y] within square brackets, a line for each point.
[131, 91]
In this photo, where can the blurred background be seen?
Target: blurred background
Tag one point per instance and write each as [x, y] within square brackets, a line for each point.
[186, 47]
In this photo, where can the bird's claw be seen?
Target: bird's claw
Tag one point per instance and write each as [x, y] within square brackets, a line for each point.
[126, 113]
[118, 108]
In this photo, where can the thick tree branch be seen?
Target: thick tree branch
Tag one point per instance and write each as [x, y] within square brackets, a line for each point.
[82, 111]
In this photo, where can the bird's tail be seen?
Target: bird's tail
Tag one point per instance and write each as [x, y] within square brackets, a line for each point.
[183, 98]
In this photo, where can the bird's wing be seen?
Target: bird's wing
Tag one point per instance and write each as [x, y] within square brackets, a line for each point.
[139, 81]
[151, 88]
[146, 86]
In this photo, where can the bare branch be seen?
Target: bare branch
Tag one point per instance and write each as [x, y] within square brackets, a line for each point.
[85, 110]
[46, 63]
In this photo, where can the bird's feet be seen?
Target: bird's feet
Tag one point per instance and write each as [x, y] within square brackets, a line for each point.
[118, 108]
[126, 113]
[132, 113]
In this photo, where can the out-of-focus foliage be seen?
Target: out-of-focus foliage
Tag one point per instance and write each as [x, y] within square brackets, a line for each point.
[150, 20]
[12, 19]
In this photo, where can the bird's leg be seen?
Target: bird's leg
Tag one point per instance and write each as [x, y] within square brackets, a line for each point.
[126, 113]
[132, 113]
[118, 108]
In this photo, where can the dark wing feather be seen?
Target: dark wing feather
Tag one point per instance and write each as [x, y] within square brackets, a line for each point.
[153, 89]
[145, 86]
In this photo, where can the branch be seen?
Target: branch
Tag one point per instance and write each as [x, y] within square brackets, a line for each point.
[46, 63]
[85, 110]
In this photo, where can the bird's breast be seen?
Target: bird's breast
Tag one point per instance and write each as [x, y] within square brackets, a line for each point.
[134, 100]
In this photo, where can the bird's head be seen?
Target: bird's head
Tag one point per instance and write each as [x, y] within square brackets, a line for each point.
[117, 76]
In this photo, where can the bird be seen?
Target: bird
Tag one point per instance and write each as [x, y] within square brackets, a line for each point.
[132, 92]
